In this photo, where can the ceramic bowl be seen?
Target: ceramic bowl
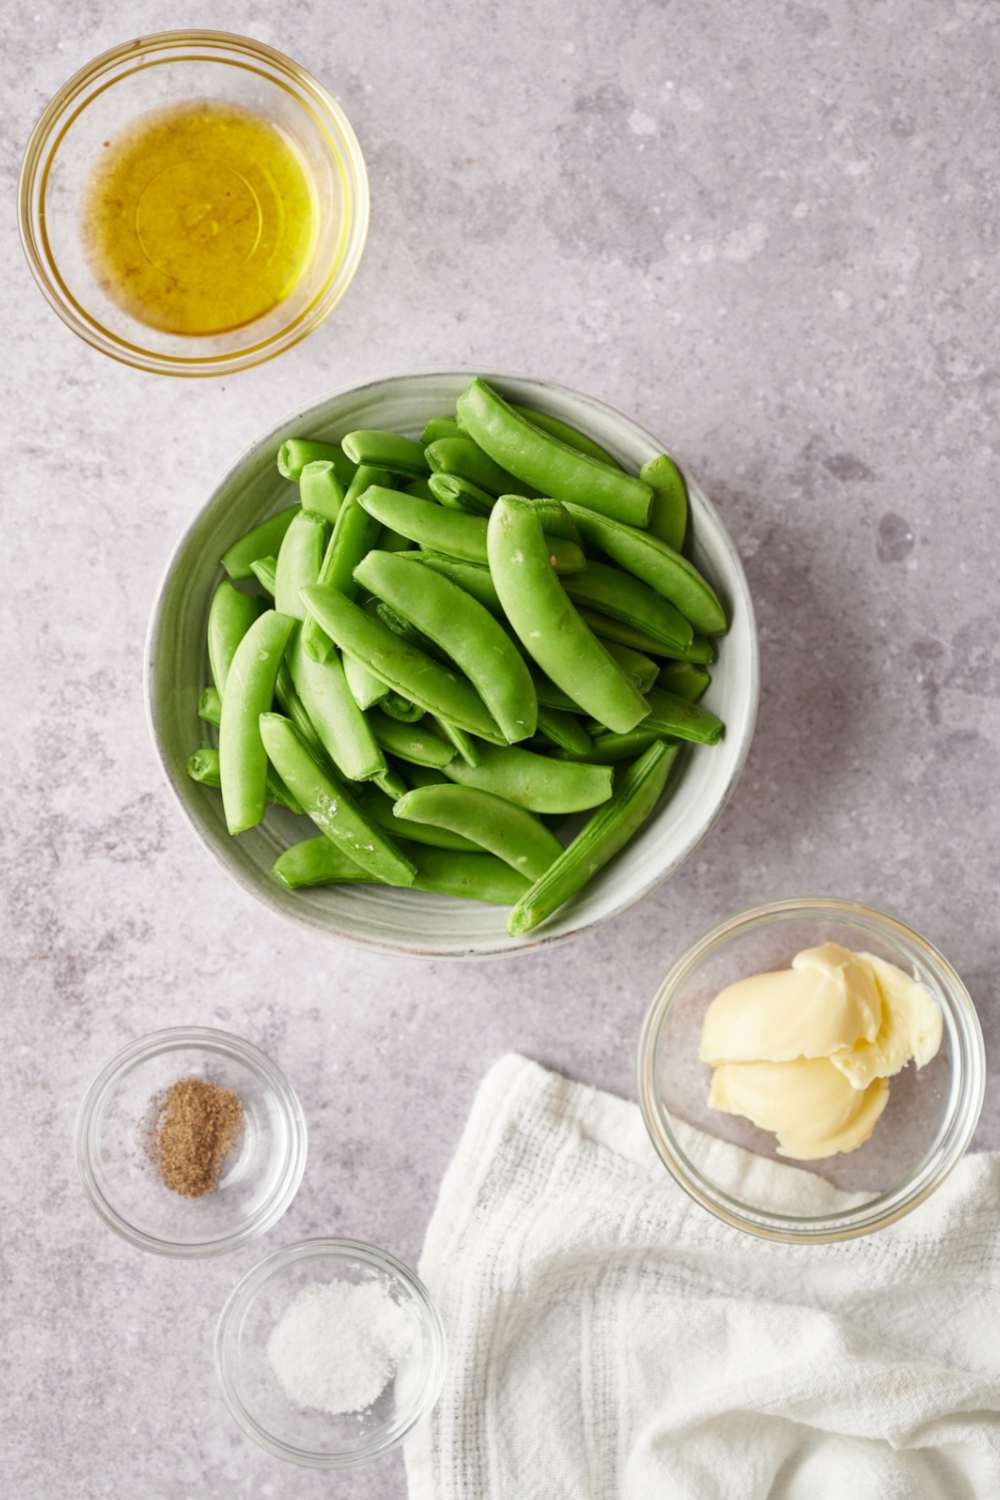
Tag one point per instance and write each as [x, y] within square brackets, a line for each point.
[415, 922]
[177, 67]
[729, 1165]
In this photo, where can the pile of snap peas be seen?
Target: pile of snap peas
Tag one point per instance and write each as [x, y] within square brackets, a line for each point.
[453, 645]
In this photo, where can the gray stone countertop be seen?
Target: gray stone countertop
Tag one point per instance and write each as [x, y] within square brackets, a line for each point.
[772, 236]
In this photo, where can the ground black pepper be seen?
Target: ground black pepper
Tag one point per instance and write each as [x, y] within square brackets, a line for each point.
[197, 1127]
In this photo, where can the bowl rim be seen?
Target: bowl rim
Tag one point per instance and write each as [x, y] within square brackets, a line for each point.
[301, 416]
[33, 177]
[953, 1136]
[86, 1135]
[240, 1300]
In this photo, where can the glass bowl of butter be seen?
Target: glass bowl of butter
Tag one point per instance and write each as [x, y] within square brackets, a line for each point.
[811, 1070]
[193, 203]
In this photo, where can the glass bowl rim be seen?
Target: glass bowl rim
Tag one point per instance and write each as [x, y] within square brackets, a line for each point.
[172, 1039]
[240, 1300]
[956, 1130]
[34, 169]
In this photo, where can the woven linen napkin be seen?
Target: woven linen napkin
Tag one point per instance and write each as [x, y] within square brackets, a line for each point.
[607, 1337]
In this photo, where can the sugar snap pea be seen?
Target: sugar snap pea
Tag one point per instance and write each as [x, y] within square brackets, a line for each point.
[546, 622]
[557, 521]
[365, 687]
[490, 822]
[634, 603]
[210, 706]
[382, 810]
[355, 532]
[466, 745]
[534, 781]
[464, 457]
[474, 578]
[230, 616]
[341, 727]
[249, 693]
[700, 650]
[656, 564]
[265, 570]
[566, 434]
[563, 729]
[420, 489]
[682, 719]
[446, 872]
[387, 450]
[331, 807]
[410, 742]
[295, 453]
[391, 782]
[640, 671]
[543, 461]
[405, 669]
[293, 708]
[612, 749]
[299, 561]
[683, 678]
[669, 513]
[317, 862]
[401, 709]
[263, 541]
[392, 541]
[203, 767]
[321, 491]
[459, 625]
[453, 532]
[635, 797]
[439, 427]
[461, 494]
[407, 629]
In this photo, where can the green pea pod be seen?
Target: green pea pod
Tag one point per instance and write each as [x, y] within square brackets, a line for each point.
[387, 450]
[612, 749]
[321, 491]
[651, 560]
[668, 517]
[622, 597]
[341, 727]
[405, 669]
[392, 541]
[534, 781]
[382, 810]
[474, 578]
[640, 671]
[564, 730]
[463, 628]
[461, 494]
[546, 622]
[550, 695]
[700, 650]
[354, 534]
[635, 797]
[453, 532]
[331, 807]
[203, 767]
[426, 776]
[391, 782]
[490, 822]
[366, 688]
[401, 709]
[295, 453]
[249, 693]
[440, 427]
[293, 708]
[684, 679]
[416, 743]
[683, 720]
[557, 521]
[210, 706]
[461, 456]
[265, 570]
[420, 490]
[464, 743]
[446, 872]
[229, 618]
[566, 434]
[263, 541]
[299, 562]
[553, 467]
[409, 632]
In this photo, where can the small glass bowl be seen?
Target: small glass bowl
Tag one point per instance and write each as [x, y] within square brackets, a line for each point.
[118, 1114]
[923, 1131]
[306, 1435]
[176, 67]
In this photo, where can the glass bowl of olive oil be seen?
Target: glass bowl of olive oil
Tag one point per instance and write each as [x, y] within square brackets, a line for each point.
[193, 203]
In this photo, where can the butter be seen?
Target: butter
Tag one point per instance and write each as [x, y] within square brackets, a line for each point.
[806, 1051]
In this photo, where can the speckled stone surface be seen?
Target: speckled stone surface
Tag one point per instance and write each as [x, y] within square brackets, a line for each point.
[772, 235]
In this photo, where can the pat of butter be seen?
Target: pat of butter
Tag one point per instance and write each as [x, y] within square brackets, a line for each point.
[809, 1104]
[806, 1051]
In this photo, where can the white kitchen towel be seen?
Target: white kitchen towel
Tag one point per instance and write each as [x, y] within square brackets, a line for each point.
[607, 1337]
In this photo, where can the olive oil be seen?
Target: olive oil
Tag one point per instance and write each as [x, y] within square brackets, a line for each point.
[200, 218]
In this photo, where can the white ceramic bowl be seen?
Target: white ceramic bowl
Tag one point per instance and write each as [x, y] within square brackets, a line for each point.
[414, 922]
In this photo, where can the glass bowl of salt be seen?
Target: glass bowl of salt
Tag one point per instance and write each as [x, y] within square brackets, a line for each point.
[329, 1352]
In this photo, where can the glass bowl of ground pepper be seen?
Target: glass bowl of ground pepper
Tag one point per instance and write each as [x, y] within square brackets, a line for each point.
[193, 203]
[190, 1142]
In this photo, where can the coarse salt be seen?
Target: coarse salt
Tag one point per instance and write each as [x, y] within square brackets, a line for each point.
[338, 1344]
